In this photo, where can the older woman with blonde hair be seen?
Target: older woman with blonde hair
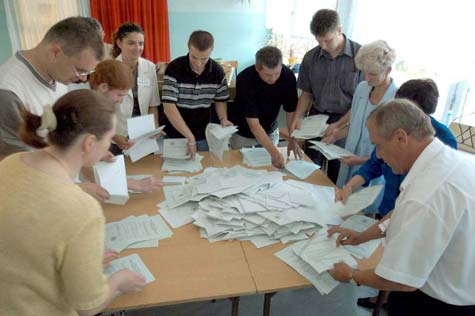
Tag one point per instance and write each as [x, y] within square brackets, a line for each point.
[375, 60]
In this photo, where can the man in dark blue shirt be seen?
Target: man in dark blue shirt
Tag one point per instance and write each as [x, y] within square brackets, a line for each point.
[261, 90]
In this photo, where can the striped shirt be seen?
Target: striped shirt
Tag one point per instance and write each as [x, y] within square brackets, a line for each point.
[193, 94]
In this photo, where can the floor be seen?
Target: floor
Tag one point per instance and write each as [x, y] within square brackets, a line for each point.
[302, 302]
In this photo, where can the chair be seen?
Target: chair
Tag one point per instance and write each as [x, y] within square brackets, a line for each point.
[465, 136]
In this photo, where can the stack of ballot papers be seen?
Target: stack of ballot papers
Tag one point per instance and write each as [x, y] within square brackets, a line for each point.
[218, 138]
[112, 177]
[311, 127]
[183, 165]
[133, 263]
[301, 168]
[141, 131]
[330, 151]
[256, 157]
[314, 257]
[175, 158]
[175, 148]
[136, 232]
[247, 204]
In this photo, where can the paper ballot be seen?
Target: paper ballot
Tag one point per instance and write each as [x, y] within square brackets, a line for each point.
[256, 157]
[322, 253]
[120, 235]
[358, 201]
[330, 151]
[311, 127]
[360, 223]
[301, 168]
[111, 176]
[140, 130]
[218, 138]
[323, 282]
[175, 148]
[133, 263]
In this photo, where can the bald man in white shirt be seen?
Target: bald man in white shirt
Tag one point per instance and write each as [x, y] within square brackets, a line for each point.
[428, 260]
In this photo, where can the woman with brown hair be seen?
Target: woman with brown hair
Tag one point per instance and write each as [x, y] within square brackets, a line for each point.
[52, 232]
[143, 97]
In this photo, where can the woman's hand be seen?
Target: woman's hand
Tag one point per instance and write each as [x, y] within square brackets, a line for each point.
[145, 185]
[122, 142]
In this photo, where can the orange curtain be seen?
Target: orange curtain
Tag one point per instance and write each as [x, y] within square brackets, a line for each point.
[152, 15]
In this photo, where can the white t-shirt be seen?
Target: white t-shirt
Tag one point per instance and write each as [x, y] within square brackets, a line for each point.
[430, 239]
[20, 77]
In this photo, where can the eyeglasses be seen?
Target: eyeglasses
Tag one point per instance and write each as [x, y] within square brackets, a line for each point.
[82, 73]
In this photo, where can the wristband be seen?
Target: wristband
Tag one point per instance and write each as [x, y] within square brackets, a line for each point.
[348, 186]
[352, 280]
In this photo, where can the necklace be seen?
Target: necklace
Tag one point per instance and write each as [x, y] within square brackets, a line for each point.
[60, 162]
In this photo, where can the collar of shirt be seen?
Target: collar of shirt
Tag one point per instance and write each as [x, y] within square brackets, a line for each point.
[345, 51]
[35, 73]
[208, 66]
[422, 162]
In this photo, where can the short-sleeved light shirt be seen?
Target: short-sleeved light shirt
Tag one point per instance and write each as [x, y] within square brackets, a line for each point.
[331, 81]
[430, 239]
[22, 88]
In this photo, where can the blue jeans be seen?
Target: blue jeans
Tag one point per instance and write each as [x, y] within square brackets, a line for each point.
[202, 145]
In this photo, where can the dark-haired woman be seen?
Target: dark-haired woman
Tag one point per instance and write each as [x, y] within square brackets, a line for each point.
[143, 97]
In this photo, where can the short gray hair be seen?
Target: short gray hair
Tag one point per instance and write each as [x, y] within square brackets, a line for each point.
[376, 55]
[402, 114]
[268, 56]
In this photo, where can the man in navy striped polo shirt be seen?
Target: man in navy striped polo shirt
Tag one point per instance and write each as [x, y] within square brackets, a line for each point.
[190, 85]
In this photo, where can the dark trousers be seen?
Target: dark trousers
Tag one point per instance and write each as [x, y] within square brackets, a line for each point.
[317, 157]
[417, 303]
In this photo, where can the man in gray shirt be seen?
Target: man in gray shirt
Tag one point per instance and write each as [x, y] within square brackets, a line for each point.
[328, 78]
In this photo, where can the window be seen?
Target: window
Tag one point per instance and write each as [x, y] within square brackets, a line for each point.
[432, 40]
[29, 20]
[289, 24]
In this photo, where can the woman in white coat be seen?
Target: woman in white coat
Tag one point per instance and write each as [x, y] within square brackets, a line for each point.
[143, 97]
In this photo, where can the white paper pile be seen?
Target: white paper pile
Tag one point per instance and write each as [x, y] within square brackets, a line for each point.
[313, 258]
[218, 138]
[133, 263]
[301, 168]
[330, 151]
[311, 127]
[323, 282]
[141, 130]
[183, 165]
[136, 232]
[256, 157]
[247, 204]
[112, 177]
[175, 148]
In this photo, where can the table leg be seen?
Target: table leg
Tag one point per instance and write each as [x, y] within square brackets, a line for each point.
[267, 302]
[234, 305]
[379, 303]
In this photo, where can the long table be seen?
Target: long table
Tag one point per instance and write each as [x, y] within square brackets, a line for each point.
[188, 268]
